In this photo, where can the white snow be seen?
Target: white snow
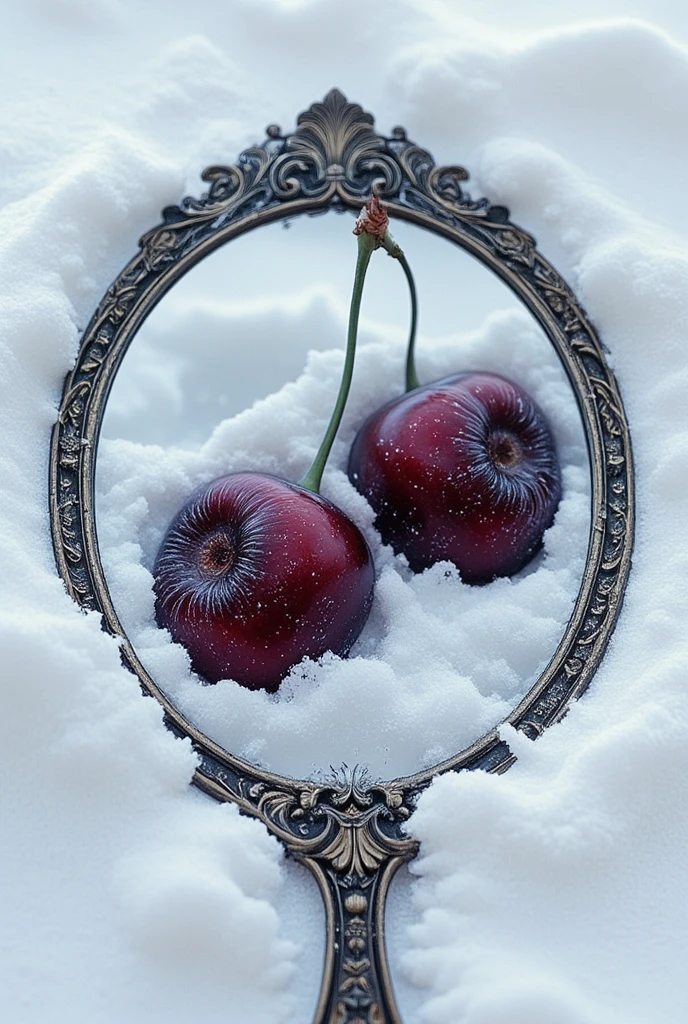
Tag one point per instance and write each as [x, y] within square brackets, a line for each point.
[555, 893]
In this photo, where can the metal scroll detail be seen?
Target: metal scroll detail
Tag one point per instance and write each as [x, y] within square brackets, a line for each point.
[348, 832]
[350, 835]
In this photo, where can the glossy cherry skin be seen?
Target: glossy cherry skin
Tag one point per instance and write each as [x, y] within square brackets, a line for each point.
[256, 573]
[463, 470]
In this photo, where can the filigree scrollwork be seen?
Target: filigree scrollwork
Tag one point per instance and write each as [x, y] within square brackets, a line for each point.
[226, 183]
[358, 846]
[515, 245]
[159, 248]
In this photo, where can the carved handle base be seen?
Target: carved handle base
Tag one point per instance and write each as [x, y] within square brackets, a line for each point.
[356, 987]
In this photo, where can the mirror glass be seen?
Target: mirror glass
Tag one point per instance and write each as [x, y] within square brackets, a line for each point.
[237, 368]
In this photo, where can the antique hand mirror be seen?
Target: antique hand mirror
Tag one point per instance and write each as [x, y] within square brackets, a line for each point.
[348, 831]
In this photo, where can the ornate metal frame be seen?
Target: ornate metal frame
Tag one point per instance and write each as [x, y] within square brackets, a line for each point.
[350, 834]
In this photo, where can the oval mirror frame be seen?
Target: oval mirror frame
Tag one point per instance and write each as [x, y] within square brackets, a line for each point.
[349, 831]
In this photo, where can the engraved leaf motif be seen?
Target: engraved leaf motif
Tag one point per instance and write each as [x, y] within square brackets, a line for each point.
[354, 851]
[516, 245]
[334, 128]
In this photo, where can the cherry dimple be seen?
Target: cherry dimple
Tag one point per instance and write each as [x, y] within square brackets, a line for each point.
[217, 555]
[506, 450]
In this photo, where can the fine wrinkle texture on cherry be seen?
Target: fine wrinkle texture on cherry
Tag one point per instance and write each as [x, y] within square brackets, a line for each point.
[465, 470]
[256, 573]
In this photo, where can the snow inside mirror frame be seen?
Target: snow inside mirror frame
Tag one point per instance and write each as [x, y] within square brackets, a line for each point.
[349, 832]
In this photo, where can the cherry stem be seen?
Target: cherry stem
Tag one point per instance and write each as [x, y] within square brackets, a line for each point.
[411, 375]
[397, 253]
[311, 481]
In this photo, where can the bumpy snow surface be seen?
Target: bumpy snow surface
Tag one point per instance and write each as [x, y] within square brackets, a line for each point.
[555, 894]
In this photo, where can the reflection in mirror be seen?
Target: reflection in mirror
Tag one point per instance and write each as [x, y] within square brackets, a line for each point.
[237, 369]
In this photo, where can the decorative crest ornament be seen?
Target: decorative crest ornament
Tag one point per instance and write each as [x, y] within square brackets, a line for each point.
[350, 832]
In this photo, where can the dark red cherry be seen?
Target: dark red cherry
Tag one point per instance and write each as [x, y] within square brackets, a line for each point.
[464, 469]
[256, 573]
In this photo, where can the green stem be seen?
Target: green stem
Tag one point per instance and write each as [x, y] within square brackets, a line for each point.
[394, 250]
[411, 375]
[311, 481]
